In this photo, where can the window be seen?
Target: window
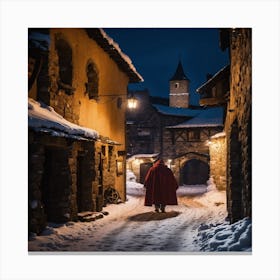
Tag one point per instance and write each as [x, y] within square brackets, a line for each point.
[64, 53]
[194, 135]
[92, 81]
[176, 85]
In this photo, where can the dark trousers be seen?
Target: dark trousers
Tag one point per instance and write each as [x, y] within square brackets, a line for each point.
[160, 206]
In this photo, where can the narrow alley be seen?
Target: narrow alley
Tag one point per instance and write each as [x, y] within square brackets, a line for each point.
[133, 227]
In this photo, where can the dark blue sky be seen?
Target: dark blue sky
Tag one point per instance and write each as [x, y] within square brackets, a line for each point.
[155, 53]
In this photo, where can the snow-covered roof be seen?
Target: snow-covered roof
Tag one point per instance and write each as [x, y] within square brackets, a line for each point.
[218, 135]
[42, 40]
[213, 79]
[115, 52]
[143, 156]
[44, 118]
[210, 117]
[39, 40]
[173, 111]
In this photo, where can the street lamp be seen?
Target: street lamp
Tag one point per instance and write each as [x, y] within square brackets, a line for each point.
[169, 162]
[132, 102]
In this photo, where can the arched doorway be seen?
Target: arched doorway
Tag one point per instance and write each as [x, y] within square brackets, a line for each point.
[195, 172]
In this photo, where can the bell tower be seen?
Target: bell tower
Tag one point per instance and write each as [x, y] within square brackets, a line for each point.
[179, 89]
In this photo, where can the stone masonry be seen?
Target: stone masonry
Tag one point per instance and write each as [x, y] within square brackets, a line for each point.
[238, 125]
[217, 150]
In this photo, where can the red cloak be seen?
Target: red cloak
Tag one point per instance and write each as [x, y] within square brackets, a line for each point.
[161, 185]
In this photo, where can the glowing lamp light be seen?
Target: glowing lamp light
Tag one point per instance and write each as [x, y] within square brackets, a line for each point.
[169, 162]
[208, 143]
[132, 102]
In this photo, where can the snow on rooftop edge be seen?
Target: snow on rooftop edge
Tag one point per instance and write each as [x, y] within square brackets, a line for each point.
[212, 78]
[43, 116]
[122, 54]
[143, 156]
[218, 135]
[210, 117]
[186, 112]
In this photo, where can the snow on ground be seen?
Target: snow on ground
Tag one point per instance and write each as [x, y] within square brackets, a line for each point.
[198, 223]
[226, 237]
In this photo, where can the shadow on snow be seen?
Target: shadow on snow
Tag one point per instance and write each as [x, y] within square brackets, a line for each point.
[153, 216]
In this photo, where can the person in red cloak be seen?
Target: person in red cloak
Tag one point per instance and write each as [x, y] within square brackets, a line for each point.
[161, 187]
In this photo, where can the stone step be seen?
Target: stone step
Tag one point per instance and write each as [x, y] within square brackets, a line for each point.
[90, 216]
[84, 214]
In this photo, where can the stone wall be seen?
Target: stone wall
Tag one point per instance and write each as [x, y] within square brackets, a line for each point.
[134, 164]
[37, 218]
[67, 105]
[83, 169]
[179, 146]
[177, 142]
[105, 163]
[179, 100]
[238, 125]
[61, 174]
[179, 94]
[217, 149]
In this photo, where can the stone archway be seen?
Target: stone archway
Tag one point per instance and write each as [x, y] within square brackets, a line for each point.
[195, 172]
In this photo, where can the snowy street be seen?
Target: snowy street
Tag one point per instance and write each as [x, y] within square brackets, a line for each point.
[133, 227]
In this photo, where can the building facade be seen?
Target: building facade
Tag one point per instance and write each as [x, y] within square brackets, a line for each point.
[178, 133]
[238, 125]
[77, 104]
[235, 146]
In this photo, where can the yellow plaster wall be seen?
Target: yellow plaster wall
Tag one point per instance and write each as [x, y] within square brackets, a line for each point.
[102, 115]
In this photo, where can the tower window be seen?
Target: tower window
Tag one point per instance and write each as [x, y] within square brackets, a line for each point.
[176, 85]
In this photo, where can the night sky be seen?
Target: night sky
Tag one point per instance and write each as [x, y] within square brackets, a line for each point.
[155, 52]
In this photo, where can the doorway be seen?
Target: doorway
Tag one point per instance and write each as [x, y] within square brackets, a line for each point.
[55, 184]
[84, 184]
[195, 172]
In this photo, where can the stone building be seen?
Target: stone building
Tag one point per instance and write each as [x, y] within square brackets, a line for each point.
[178, 132]
[77, 82]
[215, 92]
[179, 94]
[237, 140]
[238, 125]
[218, 163]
